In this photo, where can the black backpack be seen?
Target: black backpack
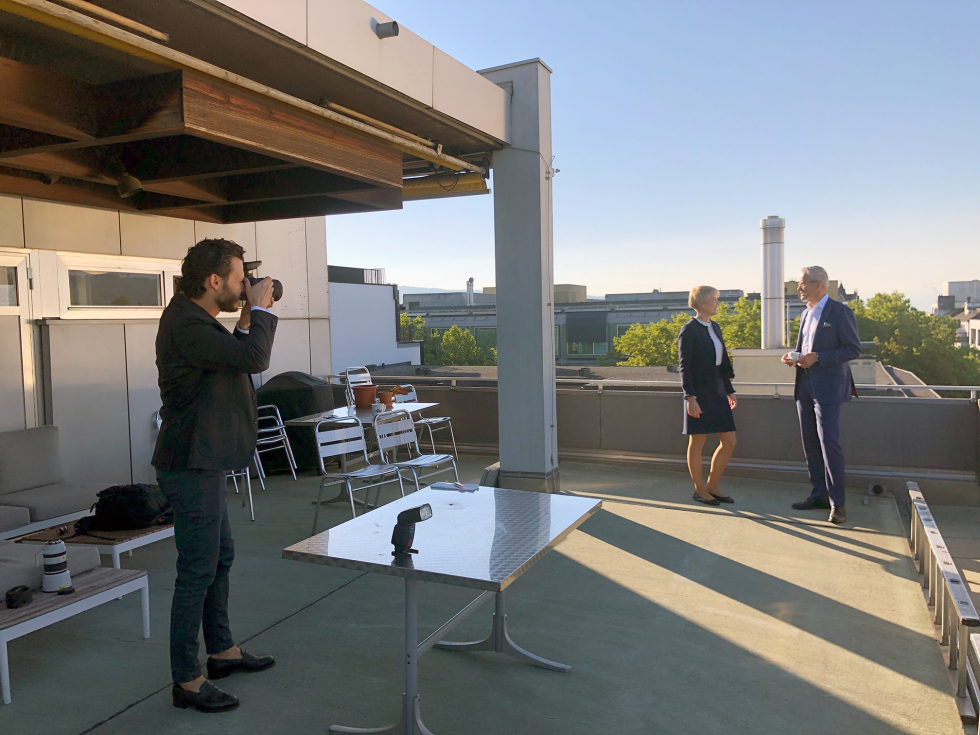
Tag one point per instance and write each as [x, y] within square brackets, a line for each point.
[127, 508]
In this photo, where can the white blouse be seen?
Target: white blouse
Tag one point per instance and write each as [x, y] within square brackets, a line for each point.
[719, 351]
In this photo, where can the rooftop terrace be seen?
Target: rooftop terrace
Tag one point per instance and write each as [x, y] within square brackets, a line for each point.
[679, 619]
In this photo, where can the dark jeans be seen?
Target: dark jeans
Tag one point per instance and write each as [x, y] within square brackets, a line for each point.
[205, 551]
[820, 426]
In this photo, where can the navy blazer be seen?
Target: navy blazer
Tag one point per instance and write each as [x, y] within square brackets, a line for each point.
[697, 357]
[209, 405]
[836, 343]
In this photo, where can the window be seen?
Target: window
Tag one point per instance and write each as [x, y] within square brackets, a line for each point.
[114, 288]
[621, 329]
[486, 338]
[587, 348]
[557, 342]
[8, 286]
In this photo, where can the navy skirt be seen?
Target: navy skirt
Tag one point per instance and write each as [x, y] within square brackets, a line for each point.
[716, 415]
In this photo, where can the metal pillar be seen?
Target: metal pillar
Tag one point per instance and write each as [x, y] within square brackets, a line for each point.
[773, 287]
[522, 177]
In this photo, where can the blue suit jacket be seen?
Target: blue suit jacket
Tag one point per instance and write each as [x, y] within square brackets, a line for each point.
[836, 343]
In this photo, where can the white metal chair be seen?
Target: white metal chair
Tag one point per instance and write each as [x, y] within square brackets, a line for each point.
[271, 436]
[248, 485]
[337, 438]
[395, 429]
[432, 423]
[355, 376]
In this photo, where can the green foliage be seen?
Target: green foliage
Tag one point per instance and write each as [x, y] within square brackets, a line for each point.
[456, 346]
[741, 324]
[651, 344]
[910, 339]
[416, 325]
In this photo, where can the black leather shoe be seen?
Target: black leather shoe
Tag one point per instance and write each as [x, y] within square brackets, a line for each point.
[812, 504]
[722, 498]
[219, 668]
[209, 699]
[837, 515]
[706, 501]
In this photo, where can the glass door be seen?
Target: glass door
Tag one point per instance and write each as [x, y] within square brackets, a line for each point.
[17, 385]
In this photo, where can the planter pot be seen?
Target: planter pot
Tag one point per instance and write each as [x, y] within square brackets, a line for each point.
[387, 397]
[364, 395]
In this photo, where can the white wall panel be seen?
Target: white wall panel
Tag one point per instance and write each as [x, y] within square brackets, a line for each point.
[320, 358]
[11, 374]
[291, 348]
[47, 301]
[286, 16]
[155, 237]
[52, 226]
[344, 31]
[317, 275]
[87, 369]
[144, 398]
[461, 93]
[243, 234]
[281, 246]
[362, 326]
[11, 222]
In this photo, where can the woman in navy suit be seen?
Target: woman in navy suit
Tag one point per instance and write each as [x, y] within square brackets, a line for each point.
[706, 374]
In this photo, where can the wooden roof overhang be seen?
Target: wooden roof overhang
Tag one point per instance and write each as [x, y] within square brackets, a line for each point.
[90, 104]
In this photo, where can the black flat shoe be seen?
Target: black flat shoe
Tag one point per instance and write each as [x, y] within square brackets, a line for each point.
[722, 498]
[707, 501]
[219, 668]
[812, 504]
[209, 699]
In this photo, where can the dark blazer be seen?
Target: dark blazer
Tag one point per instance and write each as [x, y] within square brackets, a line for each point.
[697, 357]
[836, 343]
[209, 404]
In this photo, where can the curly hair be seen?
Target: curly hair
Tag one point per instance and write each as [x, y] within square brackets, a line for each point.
[212, 255]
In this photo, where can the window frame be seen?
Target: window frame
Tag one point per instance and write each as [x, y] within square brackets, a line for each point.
[165, 269]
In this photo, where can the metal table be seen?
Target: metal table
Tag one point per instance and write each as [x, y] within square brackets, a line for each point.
[483, 539]
[364, 415]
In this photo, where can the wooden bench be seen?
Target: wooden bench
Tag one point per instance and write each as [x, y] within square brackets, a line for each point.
[108, 543]
[91, 590]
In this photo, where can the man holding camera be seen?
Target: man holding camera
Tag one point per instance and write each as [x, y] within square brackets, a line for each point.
[209, 428]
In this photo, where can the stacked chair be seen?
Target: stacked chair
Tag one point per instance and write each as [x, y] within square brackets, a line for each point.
[394, 429]
[432, 423]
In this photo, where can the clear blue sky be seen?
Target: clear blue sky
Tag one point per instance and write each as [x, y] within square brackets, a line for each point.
[679, 125]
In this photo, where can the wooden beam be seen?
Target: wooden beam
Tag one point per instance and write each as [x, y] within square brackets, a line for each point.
[13, 138]
[76, 164]
[225, 115]
[66, 191]
[47, 103]
[185, 158]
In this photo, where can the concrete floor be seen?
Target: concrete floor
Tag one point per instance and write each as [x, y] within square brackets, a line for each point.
[677, 618]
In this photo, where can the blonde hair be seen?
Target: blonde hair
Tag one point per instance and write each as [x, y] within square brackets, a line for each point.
[701, 294]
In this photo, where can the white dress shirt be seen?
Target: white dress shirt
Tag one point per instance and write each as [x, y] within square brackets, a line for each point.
[714, 338]
[254, 308]
[813, 314]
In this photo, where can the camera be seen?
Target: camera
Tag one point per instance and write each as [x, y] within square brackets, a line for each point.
[250, 266]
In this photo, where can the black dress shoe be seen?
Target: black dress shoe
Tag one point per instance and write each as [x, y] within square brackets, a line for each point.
[209, 699]
[722, 498]
[219, 668]
[812, 504]
[706, 501]
[837, 515]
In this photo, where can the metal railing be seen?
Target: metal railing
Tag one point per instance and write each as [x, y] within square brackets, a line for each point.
[947, 595]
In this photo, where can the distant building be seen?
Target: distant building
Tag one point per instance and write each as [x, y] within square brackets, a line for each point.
[584, 329]
[958, 293]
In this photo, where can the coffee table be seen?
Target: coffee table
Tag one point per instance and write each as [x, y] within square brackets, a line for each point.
[483, 539]
[108, 543]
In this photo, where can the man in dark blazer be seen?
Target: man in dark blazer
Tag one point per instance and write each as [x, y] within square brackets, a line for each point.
[828, 340]
[209, 428]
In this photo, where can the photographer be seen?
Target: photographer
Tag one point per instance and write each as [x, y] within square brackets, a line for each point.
[209, 428]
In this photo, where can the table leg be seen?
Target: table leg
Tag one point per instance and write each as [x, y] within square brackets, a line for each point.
[4, 671]
[411, 717]
[499, 641]
[115, 558]
[145, 607]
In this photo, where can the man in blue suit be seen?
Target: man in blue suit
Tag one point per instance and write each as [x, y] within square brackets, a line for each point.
[828, 341]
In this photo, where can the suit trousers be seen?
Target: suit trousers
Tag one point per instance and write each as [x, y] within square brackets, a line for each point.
[205, 552]
[820, 427]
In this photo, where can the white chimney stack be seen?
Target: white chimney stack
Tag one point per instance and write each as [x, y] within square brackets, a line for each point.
[469, 292]
[773, 289]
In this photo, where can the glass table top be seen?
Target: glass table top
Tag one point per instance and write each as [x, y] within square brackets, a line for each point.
[364, 415]
[483, 539]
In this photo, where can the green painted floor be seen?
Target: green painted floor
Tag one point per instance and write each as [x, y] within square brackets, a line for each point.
[677, 618]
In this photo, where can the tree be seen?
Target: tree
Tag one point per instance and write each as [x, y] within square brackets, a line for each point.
[459, 347]
[910, 339]
[741, 324]
[413, 329]
[651, 344]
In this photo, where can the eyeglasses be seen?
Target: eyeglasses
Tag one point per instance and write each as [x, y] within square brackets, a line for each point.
[806, 283]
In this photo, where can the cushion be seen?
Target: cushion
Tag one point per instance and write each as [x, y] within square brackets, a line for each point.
[18, 563]
[11, 518]
[29, 458]
[56, 499]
